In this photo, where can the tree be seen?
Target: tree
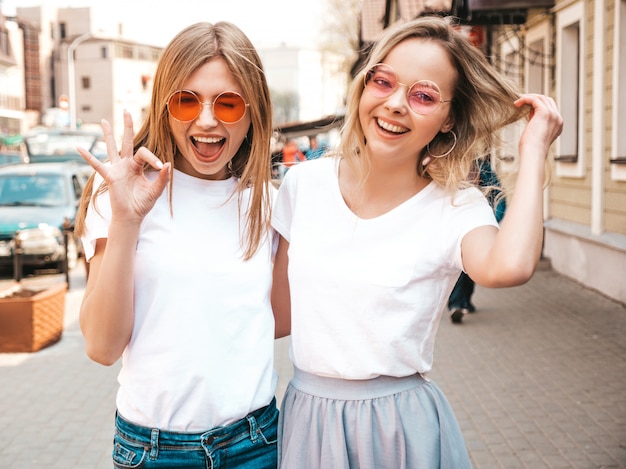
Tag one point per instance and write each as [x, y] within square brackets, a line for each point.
[340, 31]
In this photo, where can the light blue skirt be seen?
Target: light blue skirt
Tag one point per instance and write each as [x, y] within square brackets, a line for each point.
[386, 422]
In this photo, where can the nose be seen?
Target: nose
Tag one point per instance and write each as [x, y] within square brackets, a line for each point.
[206, 116]
[398, 99]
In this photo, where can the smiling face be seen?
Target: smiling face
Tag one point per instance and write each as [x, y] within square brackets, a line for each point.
[205, 144]
[391, 128]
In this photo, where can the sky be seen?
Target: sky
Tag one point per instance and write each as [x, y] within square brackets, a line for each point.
[267, 23]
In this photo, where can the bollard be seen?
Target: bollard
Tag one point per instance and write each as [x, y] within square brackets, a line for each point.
[17, 257]
[67, 229]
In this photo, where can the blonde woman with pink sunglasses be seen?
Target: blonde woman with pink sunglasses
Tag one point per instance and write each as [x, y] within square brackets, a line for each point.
[373, 238]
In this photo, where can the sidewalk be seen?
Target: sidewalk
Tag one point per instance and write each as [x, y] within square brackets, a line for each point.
[537, 378]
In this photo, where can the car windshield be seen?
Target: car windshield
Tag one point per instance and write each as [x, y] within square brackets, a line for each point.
[41, 190]
[47, 146]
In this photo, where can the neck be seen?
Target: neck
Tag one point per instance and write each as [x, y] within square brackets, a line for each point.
[385, 186]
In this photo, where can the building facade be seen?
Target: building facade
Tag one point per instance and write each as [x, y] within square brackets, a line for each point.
[575, 51]
[85, 70]
[12, 93]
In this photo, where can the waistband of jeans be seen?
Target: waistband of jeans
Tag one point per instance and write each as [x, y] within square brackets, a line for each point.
[166, 437]
[354, 389]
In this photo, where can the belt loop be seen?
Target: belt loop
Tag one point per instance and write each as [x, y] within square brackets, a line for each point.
[254, 431]
[154, 444]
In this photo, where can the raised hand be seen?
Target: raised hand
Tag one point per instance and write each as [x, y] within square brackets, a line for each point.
[544, 124]
[132, 194]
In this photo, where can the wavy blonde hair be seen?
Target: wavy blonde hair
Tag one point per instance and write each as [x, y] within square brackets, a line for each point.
[191, 48]
[482, 103]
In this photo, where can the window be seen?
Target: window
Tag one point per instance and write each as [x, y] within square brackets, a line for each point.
[125, 51]
[62, 31]
[511, 68]
[86, 82]
[538, 60]
[4, 43]
[570, 86]
[618, 145]
[103, 52]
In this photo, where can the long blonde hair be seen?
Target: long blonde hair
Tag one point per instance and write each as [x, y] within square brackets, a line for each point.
[190, 49]
[482, 103]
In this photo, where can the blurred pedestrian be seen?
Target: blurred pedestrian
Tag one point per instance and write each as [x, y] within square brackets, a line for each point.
[315, 151]
[460, 300]
[292, 154]
[178, 238]
[373, 240]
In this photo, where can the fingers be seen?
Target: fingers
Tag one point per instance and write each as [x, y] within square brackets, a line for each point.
[128, 136]
[163, 179]
[545, 111]
[109, 139]
[138, 159]
[144, 155]
[94, 162]
[540, 102]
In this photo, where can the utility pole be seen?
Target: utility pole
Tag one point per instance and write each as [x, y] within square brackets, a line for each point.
[71, 79]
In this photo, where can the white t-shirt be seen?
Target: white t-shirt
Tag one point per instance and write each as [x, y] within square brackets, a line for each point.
[367, 294]
[201, 353]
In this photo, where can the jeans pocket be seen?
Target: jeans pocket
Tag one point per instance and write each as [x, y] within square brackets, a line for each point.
[268, 433]
[127, 454]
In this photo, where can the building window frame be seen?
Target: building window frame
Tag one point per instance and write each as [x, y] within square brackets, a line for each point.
[538, 78]
[618, 118]
[570, 89]
[510, 66]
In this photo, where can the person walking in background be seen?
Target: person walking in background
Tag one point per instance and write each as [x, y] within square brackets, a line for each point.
[460, 301]
[373, 239]
[176, 228]
[292, 154]
[315, 151]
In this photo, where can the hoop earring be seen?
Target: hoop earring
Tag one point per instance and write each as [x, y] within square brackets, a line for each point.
[430, 156]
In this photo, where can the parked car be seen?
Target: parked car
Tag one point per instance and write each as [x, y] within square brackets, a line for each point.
[36, 200]
[10, 157]
[54, 145]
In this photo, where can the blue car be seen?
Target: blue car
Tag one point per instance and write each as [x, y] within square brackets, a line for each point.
[36, 201]
[11, 157]
[56, 145]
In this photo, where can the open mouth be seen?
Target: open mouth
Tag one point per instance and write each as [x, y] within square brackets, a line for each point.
[208, 147]
[394, 129]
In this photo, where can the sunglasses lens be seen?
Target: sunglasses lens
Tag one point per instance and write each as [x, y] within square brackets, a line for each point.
[424, 97]
[381, 80]
[229, 107]
[184, 106]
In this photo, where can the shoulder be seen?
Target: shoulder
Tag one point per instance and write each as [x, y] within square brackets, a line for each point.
[309, 177]
[451, 203]
[312, 168]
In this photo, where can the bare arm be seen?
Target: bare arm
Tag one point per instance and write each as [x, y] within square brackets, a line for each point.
[107, 310]
[281, 302]
[508, 257]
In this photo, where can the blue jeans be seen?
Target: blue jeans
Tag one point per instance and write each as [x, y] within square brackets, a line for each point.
[249, 443]
[461, 296]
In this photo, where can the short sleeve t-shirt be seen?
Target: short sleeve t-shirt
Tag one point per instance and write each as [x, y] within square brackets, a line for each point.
[367, 294]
